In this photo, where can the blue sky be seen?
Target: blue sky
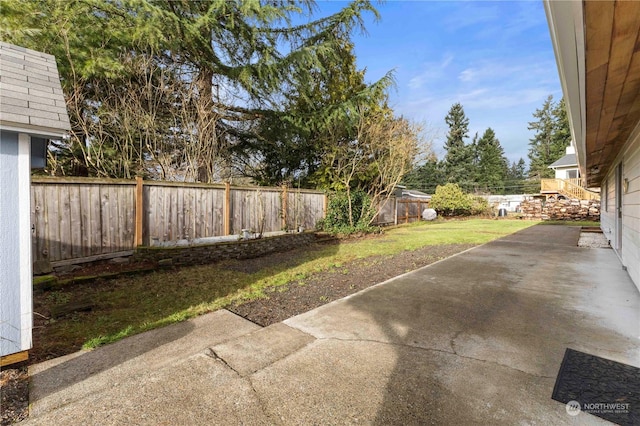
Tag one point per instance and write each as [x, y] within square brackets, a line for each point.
[495, 58]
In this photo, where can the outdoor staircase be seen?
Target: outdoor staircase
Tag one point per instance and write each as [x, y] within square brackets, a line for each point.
[570, 188]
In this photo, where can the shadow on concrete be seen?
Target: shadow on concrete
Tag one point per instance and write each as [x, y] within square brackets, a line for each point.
[54, 375]
[74, 368]
[479, 337]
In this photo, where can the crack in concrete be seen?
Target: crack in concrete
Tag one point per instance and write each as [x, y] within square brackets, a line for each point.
[212, 354]
[405, 345]
[263, 406]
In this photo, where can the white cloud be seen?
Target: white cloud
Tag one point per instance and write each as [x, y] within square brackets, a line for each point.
[468, 75]
[430, 71]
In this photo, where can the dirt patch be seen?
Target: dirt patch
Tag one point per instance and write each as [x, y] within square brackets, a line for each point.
[280, 303]
[306, 294]
[14, 395]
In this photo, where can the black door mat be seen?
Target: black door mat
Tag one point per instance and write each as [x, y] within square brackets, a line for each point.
[602, 387]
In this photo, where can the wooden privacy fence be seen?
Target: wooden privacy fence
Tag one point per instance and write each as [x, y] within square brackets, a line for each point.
[400, 210]
[410, 210]
[82, 217]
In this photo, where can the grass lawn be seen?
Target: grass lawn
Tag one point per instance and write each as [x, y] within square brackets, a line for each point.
[130, 305]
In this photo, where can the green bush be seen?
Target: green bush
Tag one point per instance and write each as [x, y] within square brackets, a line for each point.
[450, 200]
[337, 220]
[480, 206]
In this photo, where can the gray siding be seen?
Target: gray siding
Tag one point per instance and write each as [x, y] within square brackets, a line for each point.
[630, 242]
[15, 278]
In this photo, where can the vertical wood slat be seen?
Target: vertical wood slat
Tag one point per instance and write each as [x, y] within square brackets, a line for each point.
[84, 204]
[139, 215]
[95, 226]
[75, 222]
[285, 196]
[227, 209]
[53, 226]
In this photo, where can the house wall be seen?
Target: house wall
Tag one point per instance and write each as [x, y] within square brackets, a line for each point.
[564, 173]
[15, 244]
[630, 250]
[511, 201]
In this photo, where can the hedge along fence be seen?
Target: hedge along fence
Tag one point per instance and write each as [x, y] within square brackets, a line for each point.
[84, 217]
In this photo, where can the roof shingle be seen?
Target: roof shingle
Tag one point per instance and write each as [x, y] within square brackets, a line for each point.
[566, 161]
[31, 96]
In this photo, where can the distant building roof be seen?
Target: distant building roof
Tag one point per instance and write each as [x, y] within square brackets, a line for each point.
[412, 193]
[31, 97]
[569, 160]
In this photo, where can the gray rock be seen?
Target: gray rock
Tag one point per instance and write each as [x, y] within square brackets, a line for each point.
[429, 214]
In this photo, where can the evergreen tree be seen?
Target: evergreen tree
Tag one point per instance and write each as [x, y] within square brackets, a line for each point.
[167, 85]
[516, 175]
[492, 164]
[458, 159]
[518, 171]
[426, 177]
[315, 118]
[552, 136]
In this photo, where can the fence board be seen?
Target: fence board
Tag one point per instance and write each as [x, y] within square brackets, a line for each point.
[84, 204]
[38, 222]
[75, 219]
[54, 226]
[79, 218]
[175, 213]
[96, 219]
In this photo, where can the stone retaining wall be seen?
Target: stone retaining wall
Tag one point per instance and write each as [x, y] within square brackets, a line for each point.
[536, 209]
[203, 254]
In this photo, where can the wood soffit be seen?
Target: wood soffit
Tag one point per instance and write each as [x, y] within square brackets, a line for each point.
[612, 54]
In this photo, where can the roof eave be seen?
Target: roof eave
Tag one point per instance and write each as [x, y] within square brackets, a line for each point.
[46, 132]
[566, 28]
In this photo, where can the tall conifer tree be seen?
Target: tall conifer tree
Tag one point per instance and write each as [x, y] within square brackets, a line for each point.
[552, 136]
[459, 157]
[492, 164]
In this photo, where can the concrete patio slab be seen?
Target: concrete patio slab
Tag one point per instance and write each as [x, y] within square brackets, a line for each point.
[476, 338]
[256, 350]
[67, 379]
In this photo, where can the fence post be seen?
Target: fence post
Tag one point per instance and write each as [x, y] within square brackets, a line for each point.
[139, 215]
[285, 206]
[395, 210]
[226, 211]
[325, 204]
[406, 213]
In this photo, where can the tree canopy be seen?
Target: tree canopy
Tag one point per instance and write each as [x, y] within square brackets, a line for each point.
[491, 167]
[552, 136]
[458, 155]
[201, 91]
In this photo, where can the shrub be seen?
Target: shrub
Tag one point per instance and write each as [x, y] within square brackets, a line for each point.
[480, 206]
[338, 220]
[450, 200]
